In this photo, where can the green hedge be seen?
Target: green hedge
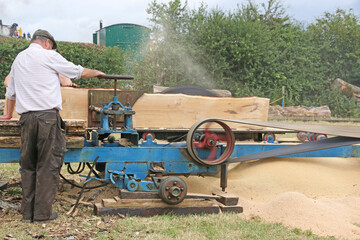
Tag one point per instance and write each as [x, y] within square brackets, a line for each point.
[110, 60]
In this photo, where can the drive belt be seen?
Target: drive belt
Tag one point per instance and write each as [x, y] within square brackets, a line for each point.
[300, 148]
[345, 135]
[345, 131]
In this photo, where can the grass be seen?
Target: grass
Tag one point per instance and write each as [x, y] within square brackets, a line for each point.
[88, 226]
[223, 226]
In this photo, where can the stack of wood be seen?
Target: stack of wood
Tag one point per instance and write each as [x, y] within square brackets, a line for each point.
[347, 89]
[299, 112]
[153, 111]
[10, 133]
[172, 110]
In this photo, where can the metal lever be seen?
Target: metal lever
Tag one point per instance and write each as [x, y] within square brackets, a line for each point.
[116, 77]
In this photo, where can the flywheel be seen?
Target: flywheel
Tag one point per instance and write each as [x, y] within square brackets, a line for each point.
[210, 142]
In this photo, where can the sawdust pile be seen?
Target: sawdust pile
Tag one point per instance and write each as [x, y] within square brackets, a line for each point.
[321, 195]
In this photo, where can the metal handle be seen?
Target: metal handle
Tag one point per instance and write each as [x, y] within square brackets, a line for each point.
[124, 77]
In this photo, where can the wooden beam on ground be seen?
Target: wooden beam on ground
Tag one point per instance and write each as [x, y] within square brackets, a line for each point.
[152, 207]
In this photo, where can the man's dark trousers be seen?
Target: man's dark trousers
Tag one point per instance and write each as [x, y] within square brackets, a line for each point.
[43, 146]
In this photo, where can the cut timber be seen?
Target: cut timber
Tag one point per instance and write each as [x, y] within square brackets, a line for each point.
[10, 133]
[15, 142]
[9, 128]
[10, 142]
[341, 84]
[3, 185]
[12, 127]
[147, 204]
[227, 199]
[74, 102]
[125, 194]
[233, 209]
[182, 111]
[74, 142]
[148, 208]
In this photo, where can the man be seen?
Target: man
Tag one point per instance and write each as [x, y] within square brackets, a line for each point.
[35, 86]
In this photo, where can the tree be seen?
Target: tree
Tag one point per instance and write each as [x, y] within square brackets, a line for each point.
[337, 35]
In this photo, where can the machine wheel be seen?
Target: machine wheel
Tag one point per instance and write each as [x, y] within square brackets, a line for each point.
[132, 185]
[269, 137]
[210, 142]
[146, 134]
[312, 136]
[302, 136]
[173, 190]
[321, 137]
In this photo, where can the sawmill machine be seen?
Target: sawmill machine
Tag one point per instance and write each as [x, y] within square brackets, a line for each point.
[143, 165]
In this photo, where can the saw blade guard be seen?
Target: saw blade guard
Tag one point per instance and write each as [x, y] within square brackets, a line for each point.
[210, 142]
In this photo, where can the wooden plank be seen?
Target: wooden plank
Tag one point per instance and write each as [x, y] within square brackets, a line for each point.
[109, 202]
[75, 123]
[74, 102]
[10, 142]
[12, 128]
[74, 142]
[15, 142]
[182, 111]
[126, 194]
[227, 199]
[151, 202]
[3, 185]
[233, 209]
[148, 210]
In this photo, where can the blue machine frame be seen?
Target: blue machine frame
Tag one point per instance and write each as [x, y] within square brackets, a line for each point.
[130, 167]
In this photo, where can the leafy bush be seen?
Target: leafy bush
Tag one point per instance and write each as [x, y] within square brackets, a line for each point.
[109, 60]
[9, 48]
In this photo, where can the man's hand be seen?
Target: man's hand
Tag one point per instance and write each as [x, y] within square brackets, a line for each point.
[99, 73]
[5, 117]
[89, 73]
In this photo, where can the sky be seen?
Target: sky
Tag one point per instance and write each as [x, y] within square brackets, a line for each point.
[77, 20]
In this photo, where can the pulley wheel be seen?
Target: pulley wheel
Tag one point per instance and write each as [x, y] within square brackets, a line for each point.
[321, 137]
[210, 142]
[302, 136]
[312, 136]
[173, 190]
[145, 134]
[132, 185]
[269, 137]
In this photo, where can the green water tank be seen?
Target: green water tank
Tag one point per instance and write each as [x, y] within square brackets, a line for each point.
[127, 36]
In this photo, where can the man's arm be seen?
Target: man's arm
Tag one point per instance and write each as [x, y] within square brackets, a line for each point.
[89, 73]
[7, 80]
[10, 107]
[69, 69]
[10, 104]
[66, 82]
